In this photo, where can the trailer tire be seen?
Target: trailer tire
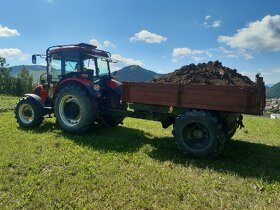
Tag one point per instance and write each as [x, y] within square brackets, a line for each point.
[199, 133]
[28, 112]
[74, 109]
[232, 131]
[231, 125]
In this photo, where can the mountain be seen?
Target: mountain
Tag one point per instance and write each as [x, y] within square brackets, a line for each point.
[135, 73]
[35, 70]
[274, 91]
[129, 73]
[269, 85]
[16, 69]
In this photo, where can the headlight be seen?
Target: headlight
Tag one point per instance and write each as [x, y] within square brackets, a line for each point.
[96, 87]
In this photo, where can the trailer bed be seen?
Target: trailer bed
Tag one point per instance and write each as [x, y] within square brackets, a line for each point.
[209, 97]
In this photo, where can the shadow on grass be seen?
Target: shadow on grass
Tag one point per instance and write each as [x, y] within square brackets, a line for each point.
[242, 158]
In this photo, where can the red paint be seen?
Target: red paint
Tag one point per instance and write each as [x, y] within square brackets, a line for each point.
[42, 92]
[84, 82]
[62, 49]
[80, 80]
[113, 83]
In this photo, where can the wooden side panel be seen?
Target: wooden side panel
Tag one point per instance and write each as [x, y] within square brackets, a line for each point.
[151, 93]
[221, 98]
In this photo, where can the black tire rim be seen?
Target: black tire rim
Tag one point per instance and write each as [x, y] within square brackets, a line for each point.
[69, 110]
[196, 136]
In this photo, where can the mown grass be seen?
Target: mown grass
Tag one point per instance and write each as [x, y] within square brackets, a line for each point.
[135, 166]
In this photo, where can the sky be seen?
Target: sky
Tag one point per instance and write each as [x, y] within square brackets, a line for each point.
[158, 35]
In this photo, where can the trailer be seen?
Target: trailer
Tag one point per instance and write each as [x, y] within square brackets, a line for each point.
[204, 117]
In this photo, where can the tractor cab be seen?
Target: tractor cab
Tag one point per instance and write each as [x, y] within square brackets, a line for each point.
[78, 61]
[83, 64]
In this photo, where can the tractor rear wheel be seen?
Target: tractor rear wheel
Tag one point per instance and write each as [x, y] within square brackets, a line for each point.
[74, 109]
[113, 101]
[199, 133]
[28, 112]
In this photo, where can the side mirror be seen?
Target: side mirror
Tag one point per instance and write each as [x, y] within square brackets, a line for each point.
[34, 59]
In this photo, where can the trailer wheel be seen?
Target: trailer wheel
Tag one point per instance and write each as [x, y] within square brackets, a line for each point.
[231, 124]
[28, 113]
[198, 133]
[74, 109]
[232, 130]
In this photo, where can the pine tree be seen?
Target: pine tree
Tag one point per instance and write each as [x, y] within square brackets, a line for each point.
[24, 82]
[5, 77]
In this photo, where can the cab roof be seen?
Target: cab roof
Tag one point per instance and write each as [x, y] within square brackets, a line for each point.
[82, 47]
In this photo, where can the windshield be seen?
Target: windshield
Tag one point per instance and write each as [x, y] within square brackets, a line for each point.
[94, 63]
[103, 67]
[73, 61]
[55, 69]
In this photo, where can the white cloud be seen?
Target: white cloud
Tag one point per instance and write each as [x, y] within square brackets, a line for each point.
[7, 32]
[148, 37]
[214, 53]
[123, 62]
[179, 53]
[107, 43]
[246, 55]
[13, 53]
[207, 17]
[276, 69]
[10, 52]
[95, 43]
[258, 35]
[196, 58]
[251, 75]
[127, 61]
[23, 57]
[233, 53]
[185, 52]
[216, 24]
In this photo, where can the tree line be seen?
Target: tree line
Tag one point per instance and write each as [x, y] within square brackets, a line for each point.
[14, 85]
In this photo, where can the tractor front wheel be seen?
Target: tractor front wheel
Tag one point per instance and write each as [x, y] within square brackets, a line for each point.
[28, 112]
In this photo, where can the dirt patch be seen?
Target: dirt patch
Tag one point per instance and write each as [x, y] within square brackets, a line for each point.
[211, 73]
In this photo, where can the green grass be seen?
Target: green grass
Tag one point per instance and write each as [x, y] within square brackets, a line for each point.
[135, 166]
[7, 102]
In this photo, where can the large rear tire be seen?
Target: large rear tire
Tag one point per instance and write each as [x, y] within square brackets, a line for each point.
[28, 112]
[112, 100]
[74, 109]
[199, 133]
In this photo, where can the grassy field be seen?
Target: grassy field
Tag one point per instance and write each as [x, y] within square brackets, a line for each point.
[135, 166]
[7, 102]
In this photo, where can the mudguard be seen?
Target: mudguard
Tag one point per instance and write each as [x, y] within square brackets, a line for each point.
[84, 82]
[114, 85]
[36, 98]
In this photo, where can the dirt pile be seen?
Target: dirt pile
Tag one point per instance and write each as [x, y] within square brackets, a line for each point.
[211, 73]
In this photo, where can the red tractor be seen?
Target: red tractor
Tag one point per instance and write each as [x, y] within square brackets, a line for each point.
[77, 87]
